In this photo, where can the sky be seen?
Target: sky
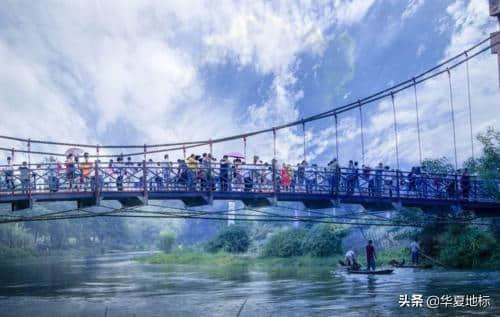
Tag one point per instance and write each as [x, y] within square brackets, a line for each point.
[135, 72]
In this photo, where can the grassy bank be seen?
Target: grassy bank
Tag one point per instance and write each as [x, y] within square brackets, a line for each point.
[221, 259]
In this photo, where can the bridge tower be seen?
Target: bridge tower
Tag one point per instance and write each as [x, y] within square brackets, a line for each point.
[495, 36]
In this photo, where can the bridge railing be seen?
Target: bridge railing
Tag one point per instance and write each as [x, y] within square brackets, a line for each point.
[221, 177]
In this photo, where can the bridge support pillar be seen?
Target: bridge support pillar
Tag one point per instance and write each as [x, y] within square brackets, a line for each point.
[231, 206]
[86, 202]
[20, 205]
[131, 201]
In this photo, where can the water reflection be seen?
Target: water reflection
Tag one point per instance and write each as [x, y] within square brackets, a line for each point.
[61, 286]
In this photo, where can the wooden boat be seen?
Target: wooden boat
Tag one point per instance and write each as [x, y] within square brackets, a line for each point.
[370, 272]
[414, 266]
[402, 264]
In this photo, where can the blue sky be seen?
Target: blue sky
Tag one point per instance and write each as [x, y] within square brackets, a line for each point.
[139, 72]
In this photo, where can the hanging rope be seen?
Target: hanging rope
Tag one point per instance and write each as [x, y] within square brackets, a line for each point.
[395, 131]
[304, 139]
[274, 144]
[245, 148]
[453, 120]
[362, 133]
[470, 106]
[336, 139]
[418, 122]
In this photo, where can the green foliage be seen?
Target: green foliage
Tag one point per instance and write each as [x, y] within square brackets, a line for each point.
[386, 255]
[438, 166]
[488, 165]
[232, 239]
[466, 246]
[320, 241]
[324, 240]
[15, 236]
[286, 243]
[167, 241]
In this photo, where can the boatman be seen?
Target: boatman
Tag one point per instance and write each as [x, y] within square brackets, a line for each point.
[415, 249]
[350, 259]
[370, 255]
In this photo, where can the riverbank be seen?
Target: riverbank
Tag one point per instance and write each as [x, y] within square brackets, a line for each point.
[29, 253]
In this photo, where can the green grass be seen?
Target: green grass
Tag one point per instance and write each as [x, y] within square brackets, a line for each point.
[384, 256]
[223, 259]
[194, 257]
[16, 253]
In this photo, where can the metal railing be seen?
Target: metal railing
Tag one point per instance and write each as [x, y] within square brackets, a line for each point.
[147, 177]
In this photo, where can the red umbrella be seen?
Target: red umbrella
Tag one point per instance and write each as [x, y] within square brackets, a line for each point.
[235, 155]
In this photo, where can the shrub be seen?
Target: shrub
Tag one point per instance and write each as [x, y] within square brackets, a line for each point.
[286, 243]
[167, 241]
[324, 240]
[232, 239]
[466, 246]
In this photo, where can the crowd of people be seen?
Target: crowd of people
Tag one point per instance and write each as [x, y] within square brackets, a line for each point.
[204, 173]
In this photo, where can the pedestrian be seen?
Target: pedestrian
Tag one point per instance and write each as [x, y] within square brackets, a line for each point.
[24, 176]
[415, 250]
[86, 170]
[224, 173]
[285, 178]
[9, 174]
[371, 256]
[70, 170]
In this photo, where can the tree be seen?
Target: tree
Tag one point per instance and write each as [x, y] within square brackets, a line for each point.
[233, 239]
[167, 241]
[324, 240]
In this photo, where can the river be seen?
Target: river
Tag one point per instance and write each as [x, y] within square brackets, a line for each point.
[116, 285]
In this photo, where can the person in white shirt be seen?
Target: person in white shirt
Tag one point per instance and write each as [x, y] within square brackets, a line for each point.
[350, 259]
[415, 251]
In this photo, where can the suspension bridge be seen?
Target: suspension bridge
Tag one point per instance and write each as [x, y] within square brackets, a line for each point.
[136, 182]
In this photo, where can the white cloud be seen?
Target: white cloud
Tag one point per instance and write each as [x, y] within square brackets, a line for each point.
[470, 26]
[133, 68]
[412, 8]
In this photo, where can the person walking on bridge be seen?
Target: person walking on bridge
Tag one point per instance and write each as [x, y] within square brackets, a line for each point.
[371, 256]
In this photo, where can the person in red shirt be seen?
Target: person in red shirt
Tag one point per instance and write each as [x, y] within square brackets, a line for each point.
[370, 255]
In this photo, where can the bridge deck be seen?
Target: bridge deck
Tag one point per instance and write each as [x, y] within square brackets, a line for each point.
[254, 185]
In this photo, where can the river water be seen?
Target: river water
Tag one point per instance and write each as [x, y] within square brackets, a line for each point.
[116, 285]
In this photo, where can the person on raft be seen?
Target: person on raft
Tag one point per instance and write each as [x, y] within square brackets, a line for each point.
[415, 251]
[371, 256]
[350, 260]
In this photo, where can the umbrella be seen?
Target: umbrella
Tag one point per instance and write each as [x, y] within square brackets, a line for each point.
[235, 155]
[74, 150]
